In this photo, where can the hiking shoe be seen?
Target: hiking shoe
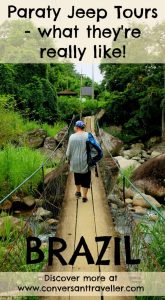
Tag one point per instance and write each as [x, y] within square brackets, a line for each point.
[78, 194]
[84, 199]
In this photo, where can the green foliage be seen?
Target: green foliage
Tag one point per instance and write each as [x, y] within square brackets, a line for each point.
[16, 164]
[15, 259]
[149, 245]
[128, 172]
[156, 244]
[67, 106]
[12, 125]
[53, 130]
[135, 98]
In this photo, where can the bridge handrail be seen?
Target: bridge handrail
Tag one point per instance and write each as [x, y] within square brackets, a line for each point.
[39, 168]
[125, 177]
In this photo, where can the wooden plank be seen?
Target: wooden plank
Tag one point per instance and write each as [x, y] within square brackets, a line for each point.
[86, 228]
[66, 228]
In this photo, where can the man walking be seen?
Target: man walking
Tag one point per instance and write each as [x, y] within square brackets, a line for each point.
[80, 158]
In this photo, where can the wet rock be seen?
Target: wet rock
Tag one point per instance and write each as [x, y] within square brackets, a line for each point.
[43, 213]
[42, 228]
[113, 144]
[145, 154]
[149, 177]
[6, 206]
[52, 222]
[50, 143]
[128, 201]
[136, 158]
[29, 201]
[35, 138]
[114, 200]
[126, 163]
[138, 200]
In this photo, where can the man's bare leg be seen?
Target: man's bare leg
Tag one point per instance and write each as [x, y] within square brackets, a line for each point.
[78, 188]
[85, 192]
[78, 191]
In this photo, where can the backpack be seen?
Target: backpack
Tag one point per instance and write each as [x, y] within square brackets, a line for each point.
[94, 151]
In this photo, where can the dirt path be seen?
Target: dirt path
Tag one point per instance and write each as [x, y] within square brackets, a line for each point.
[89, 220]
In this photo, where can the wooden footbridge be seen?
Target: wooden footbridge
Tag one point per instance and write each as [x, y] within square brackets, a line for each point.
[89, 220]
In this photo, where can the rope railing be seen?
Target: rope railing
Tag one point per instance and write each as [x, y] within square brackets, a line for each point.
[40, 167]
[125, 178]
[50, 199]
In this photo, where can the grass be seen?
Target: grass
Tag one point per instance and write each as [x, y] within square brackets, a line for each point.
[12, 125]
[128, 172]
[149, 244]
[155, 239]
[53, 130]
[13, 249]
[16, 164]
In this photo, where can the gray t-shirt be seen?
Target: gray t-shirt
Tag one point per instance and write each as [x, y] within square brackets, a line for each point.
[77, 153]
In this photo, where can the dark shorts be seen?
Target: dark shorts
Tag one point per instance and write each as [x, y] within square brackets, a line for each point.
[83, 179]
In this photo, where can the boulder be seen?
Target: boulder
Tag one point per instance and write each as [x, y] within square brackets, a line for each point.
[153, 217]
[16, 198]
[39, 202]
[159, 148]
[132, 153]
[137, 158]
[6, 206]
[126, 163]
[138, 146]
[13, 223]
[113, 144]
[153, 141]
[155, 153]
[149, 177]
[29, 201]
[59, 136]
[43, 213]
[35, 138]
[138, 200]
[139, 210]
[52, 222]
[50, 143]
[145, 154]
[129, 193]
[114, 200]
[128, 201]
